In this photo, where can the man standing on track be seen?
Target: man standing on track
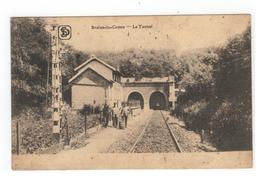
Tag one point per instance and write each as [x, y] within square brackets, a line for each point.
[125, 113]
[116, 113]
[106, 114]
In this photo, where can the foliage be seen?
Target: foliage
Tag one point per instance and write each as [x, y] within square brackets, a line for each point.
[76, 121]
[145, 63]
[232, 126]
[233, 92]
[36, 131]
[218, 93]
[29, 55]
[88, 109]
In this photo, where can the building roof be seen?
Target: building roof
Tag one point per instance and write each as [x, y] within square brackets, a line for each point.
[92, 58]
[148, 80]
[85, 69]
[81, 68]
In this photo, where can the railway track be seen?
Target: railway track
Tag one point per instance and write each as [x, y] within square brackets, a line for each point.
[156, 137]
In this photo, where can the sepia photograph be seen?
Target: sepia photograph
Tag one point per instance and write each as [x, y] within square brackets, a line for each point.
[131, 92]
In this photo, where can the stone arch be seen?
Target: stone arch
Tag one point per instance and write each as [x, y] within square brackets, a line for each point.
[135, 98]
[158, 100]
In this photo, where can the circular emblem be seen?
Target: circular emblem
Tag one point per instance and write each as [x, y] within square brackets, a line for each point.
[64, 32]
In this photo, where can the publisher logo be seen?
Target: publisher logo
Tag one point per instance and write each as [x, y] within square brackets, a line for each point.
[64, 32]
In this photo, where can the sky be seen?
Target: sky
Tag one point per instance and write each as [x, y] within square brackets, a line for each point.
[180, 33]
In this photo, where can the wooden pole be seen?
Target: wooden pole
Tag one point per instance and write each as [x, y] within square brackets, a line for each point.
[85, 122]
[56, 84]
[17, 138]
[67, 132]
[48, 71]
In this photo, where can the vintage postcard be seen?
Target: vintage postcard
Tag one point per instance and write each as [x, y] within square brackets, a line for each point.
[132, 92]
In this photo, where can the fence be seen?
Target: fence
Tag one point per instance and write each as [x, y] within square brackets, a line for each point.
[32, 135]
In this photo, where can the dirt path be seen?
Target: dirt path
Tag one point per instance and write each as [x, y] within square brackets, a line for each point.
[101, 141]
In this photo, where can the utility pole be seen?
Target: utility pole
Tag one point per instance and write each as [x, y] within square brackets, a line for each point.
[56, 84]
[58, 33]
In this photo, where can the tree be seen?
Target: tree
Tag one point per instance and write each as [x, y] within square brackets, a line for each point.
[30, 52]
[233, 71]
[233, 90]
[144, 63]
[218, 92]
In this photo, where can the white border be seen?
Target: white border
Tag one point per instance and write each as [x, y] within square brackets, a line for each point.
[10, 8]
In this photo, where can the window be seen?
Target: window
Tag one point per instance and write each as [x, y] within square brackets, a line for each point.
[114, 77]
[55, 123]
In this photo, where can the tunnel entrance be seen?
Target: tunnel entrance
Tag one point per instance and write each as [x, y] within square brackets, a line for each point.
[135, 99]
[157, 101]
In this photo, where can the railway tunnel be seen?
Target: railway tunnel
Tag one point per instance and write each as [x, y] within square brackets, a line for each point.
[136, 99]
[157, 101]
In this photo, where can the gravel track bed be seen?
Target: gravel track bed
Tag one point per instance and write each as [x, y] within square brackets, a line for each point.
[127, 141]
[189, 141]
[156, 138]
[124, 144]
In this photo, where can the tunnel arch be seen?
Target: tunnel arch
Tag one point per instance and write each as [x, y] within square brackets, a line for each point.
[135, 99]
[157, 101]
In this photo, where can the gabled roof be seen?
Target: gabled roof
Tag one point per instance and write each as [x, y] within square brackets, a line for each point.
[92, 58]
[85, 69]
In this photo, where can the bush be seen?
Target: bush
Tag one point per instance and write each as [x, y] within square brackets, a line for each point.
[36, 129]
[193, 117]
[220, 100]
[232, 127]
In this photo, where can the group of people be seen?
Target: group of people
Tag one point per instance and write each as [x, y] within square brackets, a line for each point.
[116, 115]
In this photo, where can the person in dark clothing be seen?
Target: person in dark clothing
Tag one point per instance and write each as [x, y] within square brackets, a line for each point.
[106, 114]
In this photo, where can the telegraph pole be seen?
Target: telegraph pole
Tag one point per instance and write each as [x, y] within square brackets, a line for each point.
[56, 84]
[58, 33]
